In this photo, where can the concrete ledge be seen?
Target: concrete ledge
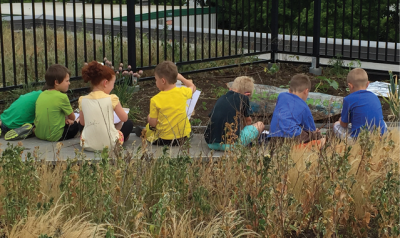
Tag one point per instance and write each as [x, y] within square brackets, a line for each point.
[48, 150]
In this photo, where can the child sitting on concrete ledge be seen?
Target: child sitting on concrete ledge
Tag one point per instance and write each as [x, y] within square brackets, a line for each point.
[361, 108]
[292, 117]
[234, 104]
[168, 123]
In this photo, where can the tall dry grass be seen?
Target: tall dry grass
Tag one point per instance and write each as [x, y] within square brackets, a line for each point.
[273, 191]
[54, 224]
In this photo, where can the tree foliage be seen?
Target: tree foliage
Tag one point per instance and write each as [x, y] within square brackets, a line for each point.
[349, 19]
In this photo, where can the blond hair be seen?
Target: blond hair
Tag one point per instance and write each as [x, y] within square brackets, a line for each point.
[299, 83]
[243, 84]
[358, 78]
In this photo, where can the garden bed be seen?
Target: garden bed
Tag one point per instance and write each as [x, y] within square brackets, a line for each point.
[213, 84]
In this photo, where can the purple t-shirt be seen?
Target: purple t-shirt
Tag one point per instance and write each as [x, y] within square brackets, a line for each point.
[291, 116]
[362, 108]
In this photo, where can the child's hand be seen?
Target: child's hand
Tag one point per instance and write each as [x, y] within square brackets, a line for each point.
[148, 118]
[69, 121]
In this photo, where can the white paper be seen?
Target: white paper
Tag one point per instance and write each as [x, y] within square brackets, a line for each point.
[116, 118]
[379, 88]
[191, 103]
[265, 132]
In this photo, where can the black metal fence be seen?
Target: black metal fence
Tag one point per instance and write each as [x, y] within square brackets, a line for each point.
[34, 35]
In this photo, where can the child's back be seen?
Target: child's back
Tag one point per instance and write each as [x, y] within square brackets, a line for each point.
[99, 120]
[169, 107]
[168, 123]
[51, 108]
[291, 116]
[361, 108]
[54, 117]
[233, 108]
[226, 108]
[97, 110]
[21, 111]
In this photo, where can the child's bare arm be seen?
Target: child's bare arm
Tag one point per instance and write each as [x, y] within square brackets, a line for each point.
[121, 113]
[343, 124]
[71, 116]
[186, 82]
[152, 121]
[81, 118]
[247, 121]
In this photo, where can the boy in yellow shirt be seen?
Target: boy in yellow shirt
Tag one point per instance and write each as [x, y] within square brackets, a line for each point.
[168, 123]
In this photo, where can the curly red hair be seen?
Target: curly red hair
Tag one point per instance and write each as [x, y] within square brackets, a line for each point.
[95, 73]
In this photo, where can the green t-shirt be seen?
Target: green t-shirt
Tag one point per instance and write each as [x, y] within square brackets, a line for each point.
[21, 111]
[51, 108]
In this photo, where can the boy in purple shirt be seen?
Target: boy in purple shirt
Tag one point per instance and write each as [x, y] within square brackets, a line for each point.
[292, 117]
[361, 108]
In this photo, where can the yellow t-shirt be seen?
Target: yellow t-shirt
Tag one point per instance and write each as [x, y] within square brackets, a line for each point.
[169, 107]
[98, 112]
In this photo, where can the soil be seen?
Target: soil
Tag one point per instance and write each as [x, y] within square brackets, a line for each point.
[212, 85]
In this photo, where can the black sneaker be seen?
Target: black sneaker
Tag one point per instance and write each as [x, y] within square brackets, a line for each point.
[138, 130]
[19, 133]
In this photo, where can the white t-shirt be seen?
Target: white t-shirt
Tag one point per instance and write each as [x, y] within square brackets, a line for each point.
[98, 112]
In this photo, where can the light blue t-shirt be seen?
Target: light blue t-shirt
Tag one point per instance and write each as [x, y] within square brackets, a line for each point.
[291, 116]
[362, 108]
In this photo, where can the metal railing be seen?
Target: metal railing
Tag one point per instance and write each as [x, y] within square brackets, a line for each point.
[34, 35]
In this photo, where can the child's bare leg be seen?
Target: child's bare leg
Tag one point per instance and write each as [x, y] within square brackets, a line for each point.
[118, 126]
[260, 126]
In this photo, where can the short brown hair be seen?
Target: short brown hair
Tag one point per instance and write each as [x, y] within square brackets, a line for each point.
[55, 73]
[243, 84]
[168, 71]
[95, 72]
[357, 77]
[299, 83]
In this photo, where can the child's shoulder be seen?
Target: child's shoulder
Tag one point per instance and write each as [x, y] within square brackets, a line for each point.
[361, 95]
[54, 94]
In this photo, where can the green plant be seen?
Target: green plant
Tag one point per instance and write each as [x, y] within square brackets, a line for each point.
[337, 67]
[325, 83]
[218, 91]
[394, 96]
[125, 83]
[20, 182]
[273, 69]
[45, 236]
[203, 105]
[285, 86]
[195, 121]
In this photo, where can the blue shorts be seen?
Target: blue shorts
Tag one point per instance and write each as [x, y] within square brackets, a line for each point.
[247, 135]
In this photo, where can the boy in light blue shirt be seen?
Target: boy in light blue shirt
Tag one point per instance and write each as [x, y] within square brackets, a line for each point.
[292, 117]
[361, 108]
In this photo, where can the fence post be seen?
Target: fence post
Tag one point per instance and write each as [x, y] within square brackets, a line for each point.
[274, 29]
[315, 69]
[131, 33]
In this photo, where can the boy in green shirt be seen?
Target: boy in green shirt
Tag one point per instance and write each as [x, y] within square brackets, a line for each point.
[16, 121]
[55, 119]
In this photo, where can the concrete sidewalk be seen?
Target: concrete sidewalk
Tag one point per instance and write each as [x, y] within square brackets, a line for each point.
[48, 150]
